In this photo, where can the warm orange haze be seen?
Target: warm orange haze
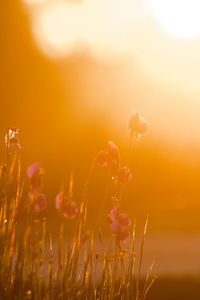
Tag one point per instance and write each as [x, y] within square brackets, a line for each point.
[73, 75]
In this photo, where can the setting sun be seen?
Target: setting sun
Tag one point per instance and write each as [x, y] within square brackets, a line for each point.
[179, 18]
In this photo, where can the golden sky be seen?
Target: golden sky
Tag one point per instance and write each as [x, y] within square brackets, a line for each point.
[164, 36]
[69, 98]
[154, 43]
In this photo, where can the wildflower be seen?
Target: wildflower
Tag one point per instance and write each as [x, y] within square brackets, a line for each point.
[32, 170]
[70, 210]
[109, 159]
[35, 174]
[102, 158]
[124, 175]
[118, 224]
[40, 202]
[137, 124]
[113, 214]
[66, 206]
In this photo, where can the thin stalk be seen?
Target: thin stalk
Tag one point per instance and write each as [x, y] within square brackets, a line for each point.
[140, 262]
[148, 277]
[124, 184]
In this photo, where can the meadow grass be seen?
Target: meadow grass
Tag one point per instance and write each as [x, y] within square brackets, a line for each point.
[36, 265]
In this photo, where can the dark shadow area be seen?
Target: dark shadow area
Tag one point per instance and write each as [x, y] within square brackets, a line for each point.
[173, 288]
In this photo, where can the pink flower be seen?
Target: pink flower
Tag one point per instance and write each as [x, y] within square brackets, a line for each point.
[114, 215]
[40, 202]
[32, 170]
[124, 175]
[35, 174]
[66, 206]
[102, 158]
[70, 210]
[137, 124]
[120, 232]
[119, 223]
[109, 159]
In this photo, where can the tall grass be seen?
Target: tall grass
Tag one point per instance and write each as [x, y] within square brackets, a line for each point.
[35, 265]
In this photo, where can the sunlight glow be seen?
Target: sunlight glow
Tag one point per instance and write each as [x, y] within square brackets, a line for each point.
[179, 18]
[124, 30]
[61, 27]
[36, 2]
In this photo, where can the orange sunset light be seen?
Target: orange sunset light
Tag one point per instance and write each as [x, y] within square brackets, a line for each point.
[117, 32]
[99, 150]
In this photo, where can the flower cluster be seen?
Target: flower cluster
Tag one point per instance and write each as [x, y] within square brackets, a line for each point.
[119, 222]
[35, 174]
[111, 160]
[66, 206]
[137, 124]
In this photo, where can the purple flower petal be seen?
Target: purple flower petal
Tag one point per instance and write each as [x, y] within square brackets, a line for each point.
[41, 202]
[37, 181]
[32, 170]
[124, 220]
[115, 227]
[70, 210]
[124, 175]
[112, 148]
[124, 236]
[59, 200]
[114, 214]
[102, 158]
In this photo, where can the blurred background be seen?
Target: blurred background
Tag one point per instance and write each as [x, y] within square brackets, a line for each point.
[71, 72]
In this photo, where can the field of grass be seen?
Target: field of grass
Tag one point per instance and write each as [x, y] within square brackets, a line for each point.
[74, 263]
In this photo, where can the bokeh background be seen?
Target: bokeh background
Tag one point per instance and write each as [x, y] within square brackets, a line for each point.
[71, 71]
